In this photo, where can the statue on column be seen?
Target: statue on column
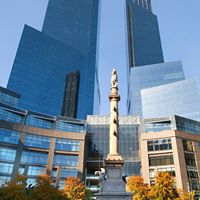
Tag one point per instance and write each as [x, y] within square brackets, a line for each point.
[114, 78]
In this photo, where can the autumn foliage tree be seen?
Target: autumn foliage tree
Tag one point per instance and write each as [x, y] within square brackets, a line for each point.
[163, 189]
[136, 185]
[74, 189]
[15, 189]
[44, 190]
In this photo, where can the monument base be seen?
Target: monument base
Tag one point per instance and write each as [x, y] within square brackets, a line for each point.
[113, 188]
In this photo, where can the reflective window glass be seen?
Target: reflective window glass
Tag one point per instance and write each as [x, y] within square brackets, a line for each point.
[35, 170]
[32, 157]
[9, 136]
[161, 160]
[10, 116]
[67, 145]
[37, 141]
[66, 126]
[65, 160]
[7, 154]
[39, 122]
[159, 145]
[6, 168]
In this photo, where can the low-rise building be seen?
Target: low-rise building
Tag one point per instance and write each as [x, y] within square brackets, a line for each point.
[172, 144]
[33, 143]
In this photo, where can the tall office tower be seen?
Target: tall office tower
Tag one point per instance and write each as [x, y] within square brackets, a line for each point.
[178, 98]
[149, 76]
[143, 37]
[68, 43]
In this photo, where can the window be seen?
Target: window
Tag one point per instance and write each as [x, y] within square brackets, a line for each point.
[194, 185]
[7, 99]
[21, 170]
[32, 157]
[170, 170]
[6, 168]
[151, 173]
[161, 160]
[188, 145]
[157, 126]
[3, 179]
[39, 122]
[190, 160]
[35, 170]
[66, 126]
[68, 172]
[67, 145]
[61, 184]
[9, 136]
[65, 160]
[192, 174]
[10, 116]
[7, 154]
[31, 181]
[37, 141]
[159, 145]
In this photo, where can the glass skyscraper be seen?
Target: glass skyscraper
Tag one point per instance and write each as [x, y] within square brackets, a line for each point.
[68, 43]
[149, 76]
[143, 37]
[179, 98]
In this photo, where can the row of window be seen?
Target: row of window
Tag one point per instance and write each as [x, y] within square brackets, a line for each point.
[7, 154]
[31, 157]
[170, 170]
[65, 160]
[157, 127]
[159, 145]
[32, 120]
[9, 136]
[6, 168]
[43, 142]
[10, 116]
[161, 160]
[7, 99]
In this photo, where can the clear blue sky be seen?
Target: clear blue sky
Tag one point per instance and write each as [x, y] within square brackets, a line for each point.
[179, 23]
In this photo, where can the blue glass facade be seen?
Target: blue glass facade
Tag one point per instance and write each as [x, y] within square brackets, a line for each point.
[149, 76]
[68, 42]
[143, 37]
[39, 74]
[9, 97]
[33, 145]
[179, 98]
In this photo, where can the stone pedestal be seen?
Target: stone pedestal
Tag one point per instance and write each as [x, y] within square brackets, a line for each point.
[113, 188]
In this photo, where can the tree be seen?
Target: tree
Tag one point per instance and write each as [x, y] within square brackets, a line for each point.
[164, 188]
[74, 189]
[44, 190]
[15, 189]
[186, 195]
[136, 185]
[88, 195]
